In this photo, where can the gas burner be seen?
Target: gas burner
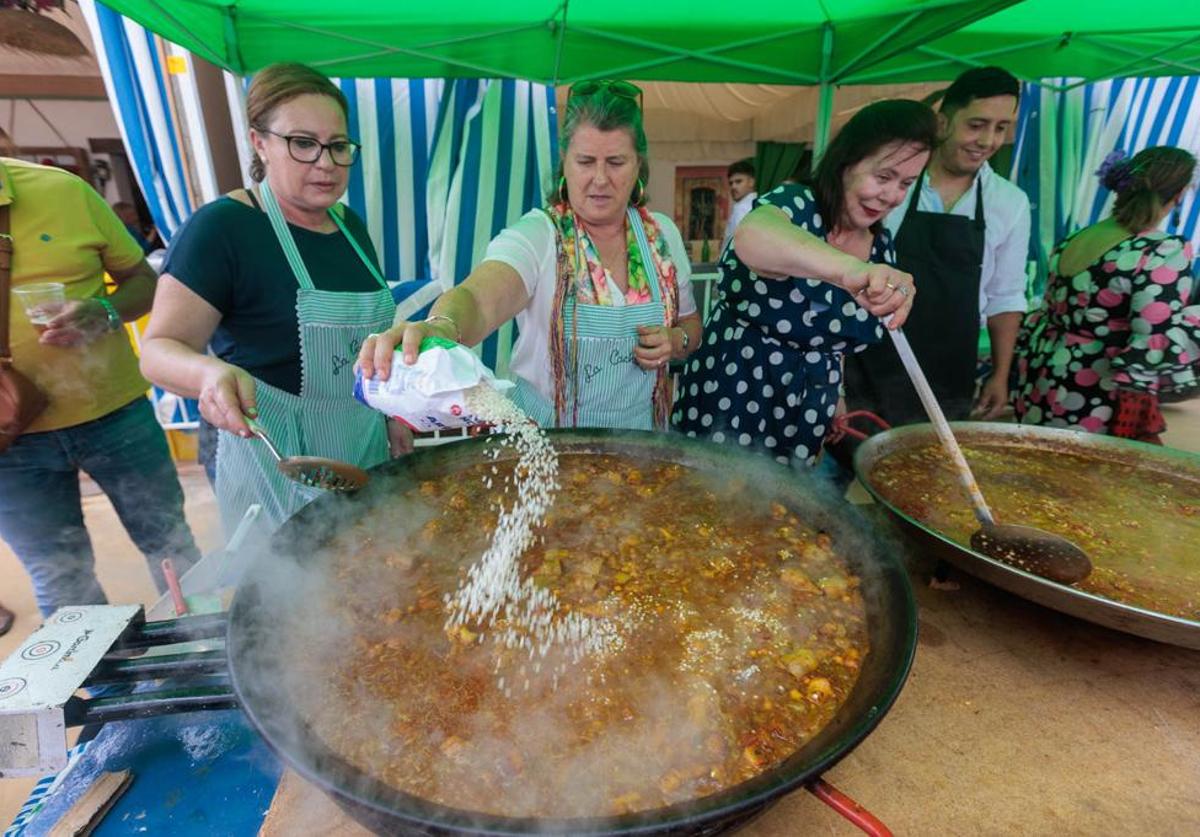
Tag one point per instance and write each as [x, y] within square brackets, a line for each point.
[79, 647]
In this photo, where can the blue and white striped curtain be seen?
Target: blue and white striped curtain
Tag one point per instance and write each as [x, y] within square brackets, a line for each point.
[445, 166]
[396, 121]
[1064, 135]
[135, 80]
[131, 63]
[493, 161]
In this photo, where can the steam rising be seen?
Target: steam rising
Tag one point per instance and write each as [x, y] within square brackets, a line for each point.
[353, 606]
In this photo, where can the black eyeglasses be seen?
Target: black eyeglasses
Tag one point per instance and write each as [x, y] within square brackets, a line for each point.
[308, 150]
[624, 89]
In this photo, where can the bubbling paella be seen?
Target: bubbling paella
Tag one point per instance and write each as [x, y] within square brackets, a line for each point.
[738, 629]
[1140, 526]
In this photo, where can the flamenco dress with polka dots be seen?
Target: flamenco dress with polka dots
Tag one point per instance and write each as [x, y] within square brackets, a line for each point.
[767, 375]
[1121, 326]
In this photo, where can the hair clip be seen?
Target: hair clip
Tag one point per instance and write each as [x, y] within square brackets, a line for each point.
[1116, 172]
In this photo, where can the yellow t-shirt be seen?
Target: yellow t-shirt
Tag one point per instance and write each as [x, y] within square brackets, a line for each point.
[63, 231]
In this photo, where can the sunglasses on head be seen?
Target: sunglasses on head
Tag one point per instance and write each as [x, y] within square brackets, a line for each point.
[624, 89]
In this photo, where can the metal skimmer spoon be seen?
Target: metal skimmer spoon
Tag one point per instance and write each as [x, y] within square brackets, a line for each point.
[313, 471]
[1034, 550]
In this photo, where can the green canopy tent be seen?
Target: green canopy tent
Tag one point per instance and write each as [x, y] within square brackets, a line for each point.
[766, 42]
[552, 41]
[1039, 39]
[562, 41]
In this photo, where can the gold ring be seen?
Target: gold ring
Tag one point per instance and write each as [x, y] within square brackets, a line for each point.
[890, 285]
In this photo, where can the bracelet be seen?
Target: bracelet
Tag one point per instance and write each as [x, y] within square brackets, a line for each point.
[684, 341]
[457, 331]
[110, 310]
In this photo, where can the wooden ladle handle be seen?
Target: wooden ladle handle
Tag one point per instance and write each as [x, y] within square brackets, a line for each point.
[982, 513]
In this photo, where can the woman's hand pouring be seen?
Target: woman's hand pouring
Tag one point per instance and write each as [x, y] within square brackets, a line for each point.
[375, 355]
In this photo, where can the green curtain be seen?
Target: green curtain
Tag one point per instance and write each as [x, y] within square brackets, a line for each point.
[774, 162]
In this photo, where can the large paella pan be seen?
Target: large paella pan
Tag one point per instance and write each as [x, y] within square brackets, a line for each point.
[1134, 508]
[339, 658]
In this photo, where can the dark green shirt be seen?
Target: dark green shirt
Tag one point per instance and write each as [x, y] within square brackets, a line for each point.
[227, 253]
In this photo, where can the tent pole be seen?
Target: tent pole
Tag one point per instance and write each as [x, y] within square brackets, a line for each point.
[196, 146]
[558, 47]
[235, 95]
[825, 98]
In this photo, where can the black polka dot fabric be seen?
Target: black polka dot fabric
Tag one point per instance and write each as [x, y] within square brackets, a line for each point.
[767, 374]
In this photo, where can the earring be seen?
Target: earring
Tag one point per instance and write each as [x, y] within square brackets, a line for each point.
[562, 189]
[639, 193]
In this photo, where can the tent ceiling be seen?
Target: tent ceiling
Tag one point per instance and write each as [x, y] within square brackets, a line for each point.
[17, 62]
[796, 42]
[682, 112]
[768, 41]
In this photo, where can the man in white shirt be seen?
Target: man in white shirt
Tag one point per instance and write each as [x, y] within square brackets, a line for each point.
[742, 190]
[963, 233]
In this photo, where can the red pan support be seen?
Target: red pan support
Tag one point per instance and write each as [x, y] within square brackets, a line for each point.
[848, 808]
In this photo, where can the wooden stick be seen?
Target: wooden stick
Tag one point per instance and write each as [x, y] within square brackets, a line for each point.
[982, 513]
[87, 812]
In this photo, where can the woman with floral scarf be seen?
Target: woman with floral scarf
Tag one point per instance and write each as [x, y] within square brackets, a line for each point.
[600, 287]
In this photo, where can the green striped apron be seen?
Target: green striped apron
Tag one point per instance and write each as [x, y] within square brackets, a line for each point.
[324, 419]
[603, 379]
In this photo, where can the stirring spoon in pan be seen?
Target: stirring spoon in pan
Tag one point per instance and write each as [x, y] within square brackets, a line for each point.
[1034, 550]
[313, 471]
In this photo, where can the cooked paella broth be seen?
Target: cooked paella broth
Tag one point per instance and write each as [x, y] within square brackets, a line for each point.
[743, 634]
[1139, 527]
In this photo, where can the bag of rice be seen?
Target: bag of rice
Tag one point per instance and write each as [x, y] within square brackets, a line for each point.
[430, 394]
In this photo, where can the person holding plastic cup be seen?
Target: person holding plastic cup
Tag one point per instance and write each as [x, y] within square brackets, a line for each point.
[41, 302]
[600, 286]
[66, 335]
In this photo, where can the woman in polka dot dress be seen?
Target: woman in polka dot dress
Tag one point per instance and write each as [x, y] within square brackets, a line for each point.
[1116, 329]
[804, 281]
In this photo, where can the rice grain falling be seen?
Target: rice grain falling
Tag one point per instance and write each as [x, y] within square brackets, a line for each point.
[522, 615]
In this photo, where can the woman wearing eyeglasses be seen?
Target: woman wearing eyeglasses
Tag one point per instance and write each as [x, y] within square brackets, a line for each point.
[600, 287]
[283, 282]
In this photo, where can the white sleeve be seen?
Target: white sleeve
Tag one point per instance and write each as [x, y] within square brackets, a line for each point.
[1004, 290]
[740, 210]
[527, 247]
[683, 264]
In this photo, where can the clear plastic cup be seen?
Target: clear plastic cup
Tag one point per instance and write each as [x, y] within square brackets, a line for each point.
[42, 301]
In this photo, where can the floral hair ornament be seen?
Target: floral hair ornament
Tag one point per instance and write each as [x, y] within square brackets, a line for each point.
[1116, 172]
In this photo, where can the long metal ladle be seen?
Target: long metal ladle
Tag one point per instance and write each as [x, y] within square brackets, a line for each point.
[1026, 547]
[313, 471]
